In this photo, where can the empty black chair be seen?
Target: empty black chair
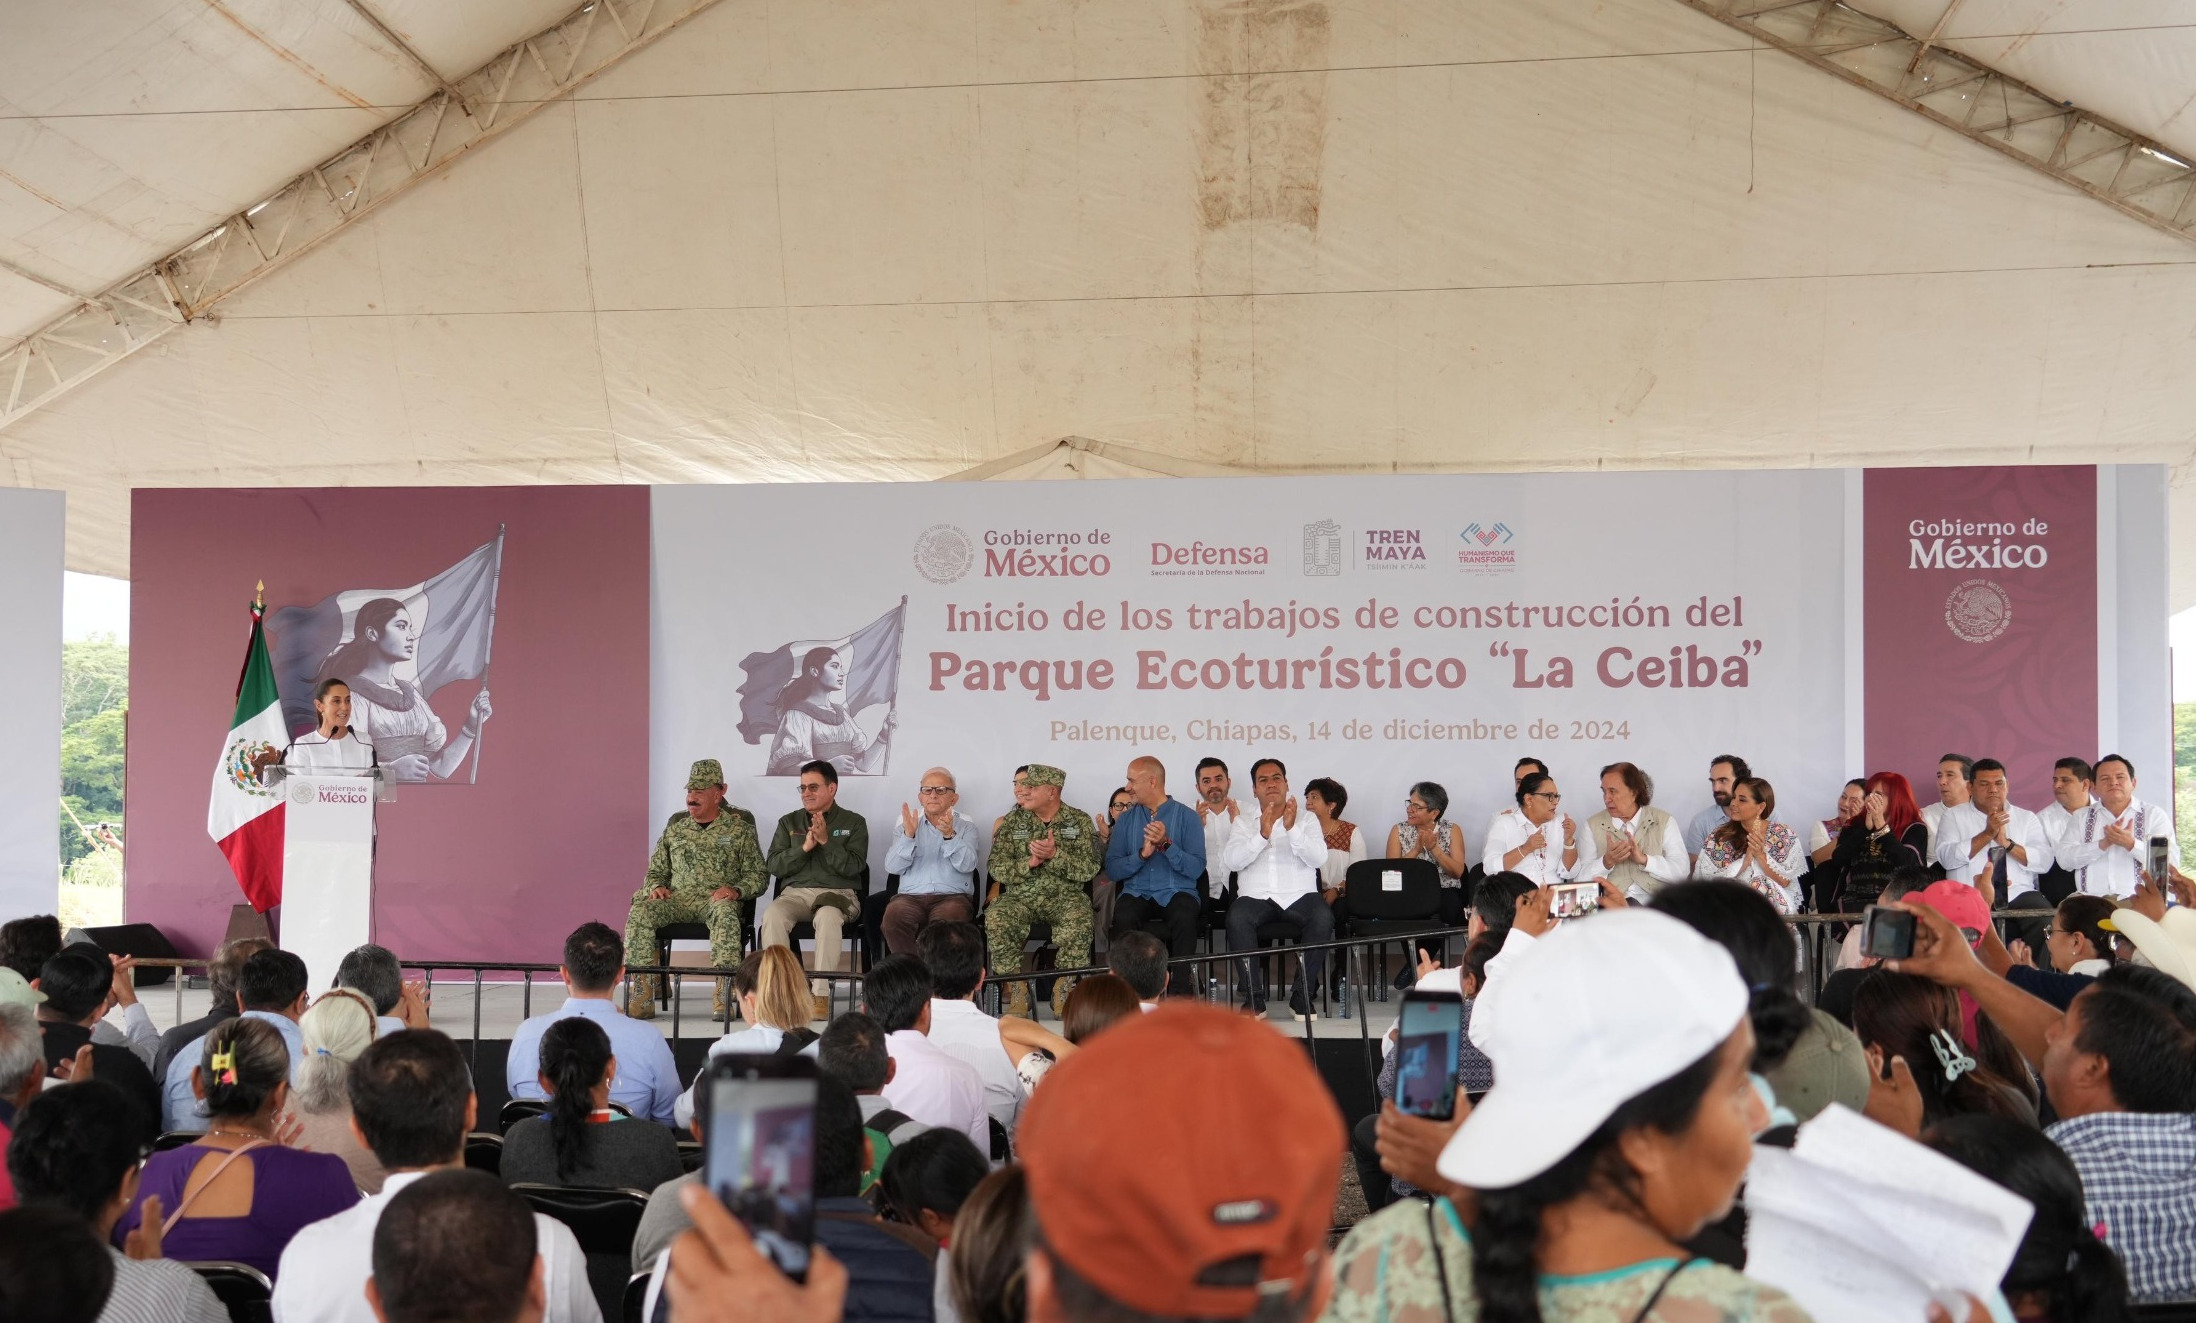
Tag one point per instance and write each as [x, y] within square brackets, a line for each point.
[242, 1289]
[484, 1152]
[603, 1221]
[636, 1297]
[1396, 898]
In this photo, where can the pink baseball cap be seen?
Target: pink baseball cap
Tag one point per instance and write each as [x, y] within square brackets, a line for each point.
[1959, 902]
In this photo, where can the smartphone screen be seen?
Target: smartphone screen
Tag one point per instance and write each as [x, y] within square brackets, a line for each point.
[2161, 863]
[1429, 1041]
[759, 1149]
[1886, 934]
[1572, 899]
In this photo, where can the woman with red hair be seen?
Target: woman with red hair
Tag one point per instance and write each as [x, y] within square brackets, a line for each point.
[1888, 834]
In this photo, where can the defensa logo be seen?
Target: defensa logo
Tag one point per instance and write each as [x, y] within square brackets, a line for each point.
[1202, 558]
[1978, 611]
[943, 553]
[1036, 553]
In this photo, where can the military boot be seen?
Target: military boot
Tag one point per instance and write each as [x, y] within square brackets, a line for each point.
[640, 996]
[1018, 1001]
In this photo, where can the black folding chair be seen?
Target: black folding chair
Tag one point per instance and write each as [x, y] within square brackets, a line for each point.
[1392, 898]
[604, 1222]
[242, 1289]
[484, 1152]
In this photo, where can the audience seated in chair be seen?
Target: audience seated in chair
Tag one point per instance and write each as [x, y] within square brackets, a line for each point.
[1140, 959]
[924, 1184]
[335, 1029]
[53, 1268]
[73, 1151]
[221, 983]
[928, 1083]
[77, 985]
[594, 963]
[580, 1140]
[239, 1193]
[412, 1101]
[456, 1245]
[270, 989]
[774, 1001]
[993, 1046]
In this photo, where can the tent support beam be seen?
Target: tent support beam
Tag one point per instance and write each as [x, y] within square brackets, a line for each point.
[2127, 171]
[312, 208]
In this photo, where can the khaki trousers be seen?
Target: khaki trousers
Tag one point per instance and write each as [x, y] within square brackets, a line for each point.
[799, 906]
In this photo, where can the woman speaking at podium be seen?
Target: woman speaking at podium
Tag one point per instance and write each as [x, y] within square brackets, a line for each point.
[334, 746]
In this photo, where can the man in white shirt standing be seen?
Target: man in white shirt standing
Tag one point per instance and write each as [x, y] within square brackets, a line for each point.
[928, 1083]
[2070, 781]
[1955, 787]
[2106, 844]
[412, 1103]
[1217, 811]
[1276, 858]
[1991, 835]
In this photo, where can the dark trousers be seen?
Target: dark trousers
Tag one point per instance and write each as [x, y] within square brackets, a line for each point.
[1179, 915]
[1308, 919]
[1378, 1192]
[906, 916]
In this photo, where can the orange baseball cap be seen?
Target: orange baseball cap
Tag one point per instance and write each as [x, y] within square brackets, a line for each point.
[1185, 1163]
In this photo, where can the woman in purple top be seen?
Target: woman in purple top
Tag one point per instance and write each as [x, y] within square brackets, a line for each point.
[238, 1194]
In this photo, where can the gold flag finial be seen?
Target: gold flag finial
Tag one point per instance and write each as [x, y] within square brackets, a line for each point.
[259, 594]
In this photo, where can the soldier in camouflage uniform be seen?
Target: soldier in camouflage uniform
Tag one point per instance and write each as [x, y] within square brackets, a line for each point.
[705, 863]
[1043, 857]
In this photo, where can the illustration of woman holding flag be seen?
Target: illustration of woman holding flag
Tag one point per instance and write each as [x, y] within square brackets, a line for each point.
[389, 712]
[814, 723]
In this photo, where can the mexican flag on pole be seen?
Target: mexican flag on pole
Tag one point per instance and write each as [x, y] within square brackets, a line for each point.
[244, 817]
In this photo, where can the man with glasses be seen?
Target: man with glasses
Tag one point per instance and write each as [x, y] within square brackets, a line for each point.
[1042, 860]
[817, 854]
[934, 852]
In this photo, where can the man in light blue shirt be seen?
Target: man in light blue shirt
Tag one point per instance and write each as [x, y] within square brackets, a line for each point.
[1156, 853]
[270, 987]
[934, 852]
[647, 1084]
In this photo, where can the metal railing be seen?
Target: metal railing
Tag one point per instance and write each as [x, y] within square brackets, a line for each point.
[1356, 970]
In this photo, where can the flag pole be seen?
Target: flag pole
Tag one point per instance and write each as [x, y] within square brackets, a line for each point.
[899, 643]
[488, 656]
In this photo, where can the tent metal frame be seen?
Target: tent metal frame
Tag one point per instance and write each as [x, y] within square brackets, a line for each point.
[2128, 171]
[308, 210]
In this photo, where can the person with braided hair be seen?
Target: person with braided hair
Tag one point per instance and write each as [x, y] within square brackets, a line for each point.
[580, 1140]
[240, 1192]
[2062, 1273]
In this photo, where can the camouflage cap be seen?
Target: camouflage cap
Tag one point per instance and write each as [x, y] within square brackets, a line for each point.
[707, 772]
[1041, 775]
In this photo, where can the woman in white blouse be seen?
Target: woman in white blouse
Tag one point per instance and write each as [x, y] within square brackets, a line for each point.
[1765, 855]
[1536, 840]
[1326, 799]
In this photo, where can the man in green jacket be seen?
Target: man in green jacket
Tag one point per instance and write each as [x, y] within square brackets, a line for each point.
[704, 865]
[817, 854]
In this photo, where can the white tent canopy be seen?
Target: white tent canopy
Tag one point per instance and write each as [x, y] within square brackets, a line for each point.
[846, 239]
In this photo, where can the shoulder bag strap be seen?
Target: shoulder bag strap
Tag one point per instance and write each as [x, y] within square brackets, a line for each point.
[1441, 1263]
[1663, 1285]
[185, 1201]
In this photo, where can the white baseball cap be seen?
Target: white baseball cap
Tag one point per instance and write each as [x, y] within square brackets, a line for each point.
[17, 989]
[1587, 1019]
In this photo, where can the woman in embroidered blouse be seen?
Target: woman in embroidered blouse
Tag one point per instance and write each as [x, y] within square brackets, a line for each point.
[1750, 848]
[1326, 799]
[1425, 833]
[815, 726]
[390, 713]
[238, 1193]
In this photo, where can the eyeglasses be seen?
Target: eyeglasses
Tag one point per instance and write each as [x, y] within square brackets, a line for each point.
[1122, 805]
[1550, 796]
[936, 790]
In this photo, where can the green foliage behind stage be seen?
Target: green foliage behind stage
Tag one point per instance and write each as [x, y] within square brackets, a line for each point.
[2184, 781]
[95, 695]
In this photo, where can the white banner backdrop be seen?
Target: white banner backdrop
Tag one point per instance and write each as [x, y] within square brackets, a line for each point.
[30, 718]
[1379, 631]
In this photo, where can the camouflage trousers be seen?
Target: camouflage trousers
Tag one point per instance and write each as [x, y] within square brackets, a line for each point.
[649, 914]
[1007, 920]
